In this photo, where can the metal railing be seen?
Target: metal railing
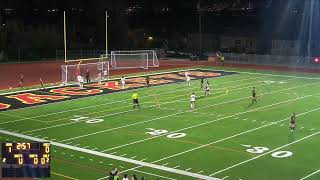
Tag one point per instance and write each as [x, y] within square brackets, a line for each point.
[268, 59]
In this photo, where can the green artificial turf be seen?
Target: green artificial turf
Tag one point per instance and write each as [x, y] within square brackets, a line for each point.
[223, 137]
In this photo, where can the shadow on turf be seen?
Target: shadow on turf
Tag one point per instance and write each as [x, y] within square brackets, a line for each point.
[249, 105]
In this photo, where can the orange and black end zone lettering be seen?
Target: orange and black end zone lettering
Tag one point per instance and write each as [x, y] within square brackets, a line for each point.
[51, 95]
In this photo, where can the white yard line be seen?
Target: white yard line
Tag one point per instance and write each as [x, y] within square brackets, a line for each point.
[119, 158]
[236, 135]
[103, 104]
[122, 112]
[220, 140]
[309, 175]
[162, 117]
[254, 158]
[156, 175]
[205, 123]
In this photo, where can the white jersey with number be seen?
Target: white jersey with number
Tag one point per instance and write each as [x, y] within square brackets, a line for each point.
[193, 98]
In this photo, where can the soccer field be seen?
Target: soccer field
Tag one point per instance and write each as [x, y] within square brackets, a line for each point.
[225, 137]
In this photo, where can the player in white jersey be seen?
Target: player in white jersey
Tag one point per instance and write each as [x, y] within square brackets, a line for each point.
[207, 89]
[187, 78]
[123, 82]
[80, 81]
[193, 100]
[99, 78]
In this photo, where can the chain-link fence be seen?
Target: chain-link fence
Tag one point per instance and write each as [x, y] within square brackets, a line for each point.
[268, 59]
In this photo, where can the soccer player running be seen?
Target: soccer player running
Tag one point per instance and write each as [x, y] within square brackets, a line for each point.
[187, 78]
[148, 81]
[207, 89]
[123, 82]
[254, 95]
[193, 100]
[41, 84]
[292, 122]
[135, 100]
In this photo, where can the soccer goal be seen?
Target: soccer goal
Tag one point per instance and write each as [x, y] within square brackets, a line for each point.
[71, 72]
[133, 59]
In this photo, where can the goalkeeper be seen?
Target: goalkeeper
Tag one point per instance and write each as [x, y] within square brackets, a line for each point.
[135, 100]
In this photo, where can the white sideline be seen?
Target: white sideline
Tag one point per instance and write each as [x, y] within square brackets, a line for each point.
[208, 122]
[143, 172]
[220, 140]
[309, 175]
[154, 119]
[118, 158]
[277, 75]
[286, 145]
[113, 102]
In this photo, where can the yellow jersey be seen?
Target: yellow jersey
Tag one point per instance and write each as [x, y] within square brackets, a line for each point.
[135, 96]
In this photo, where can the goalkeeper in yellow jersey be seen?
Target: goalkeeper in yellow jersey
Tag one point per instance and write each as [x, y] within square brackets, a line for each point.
[135, 97]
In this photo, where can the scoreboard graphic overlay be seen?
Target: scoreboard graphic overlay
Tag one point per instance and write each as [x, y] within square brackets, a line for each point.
[25, 159]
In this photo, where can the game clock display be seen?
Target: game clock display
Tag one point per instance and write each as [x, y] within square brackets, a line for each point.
[25, 159]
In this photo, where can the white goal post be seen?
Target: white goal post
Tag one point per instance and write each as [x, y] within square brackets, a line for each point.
[70, 72]
[134, 59]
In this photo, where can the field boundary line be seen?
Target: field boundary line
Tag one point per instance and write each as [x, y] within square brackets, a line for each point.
[102, 104]
[208, 122]
[118, 158]
[156, 175]
[220, 140]
[134, 76]
[309, 175]
[154, 119]
[254, 158]
[268, 74]
[236, 135]
[68, 177]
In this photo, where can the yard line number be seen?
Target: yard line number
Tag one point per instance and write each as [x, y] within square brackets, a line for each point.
[260, 150]
[87, 120]
[158, 132]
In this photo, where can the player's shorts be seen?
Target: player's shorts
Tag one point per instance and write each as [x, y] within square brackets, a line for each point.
[135, 101]
[253, 95]
[292, 125]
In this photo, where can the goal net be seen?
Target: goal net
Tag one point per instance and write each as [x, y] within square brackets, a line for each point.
[134, 59]
[71, 72]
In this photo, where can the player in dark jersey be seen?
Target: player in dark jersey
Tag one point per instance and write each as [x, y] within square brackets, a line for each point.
[201, 82]
[41, 84]
[147, 81]
[254, 95]
[292, 122]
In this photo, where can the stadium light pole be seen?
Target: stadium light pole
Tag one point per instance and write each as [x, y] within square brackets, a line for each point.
[107, 34]
[200, 26]
[65, 36]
